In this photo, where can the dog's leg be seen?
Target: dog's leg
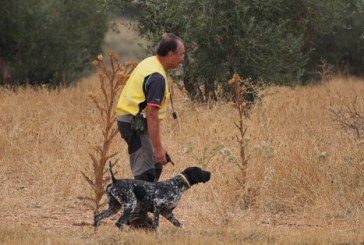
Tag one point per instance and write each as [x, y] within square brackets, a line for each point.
[113, 207]
[156, 218]
[129, 207]
[170, 217]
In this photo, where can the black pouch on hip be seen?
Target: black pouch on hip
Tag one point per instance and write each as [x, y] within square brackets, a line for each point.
[138, 123]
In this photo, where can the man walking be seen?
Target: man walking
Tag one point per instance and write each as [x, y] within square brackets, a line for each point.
[141, 106]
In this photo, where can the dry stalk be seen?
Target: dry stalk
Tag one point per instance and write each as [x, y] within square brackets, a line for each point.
[325, 70]
[239, 88]
[245, 94]
[349, 117]
[112, 77]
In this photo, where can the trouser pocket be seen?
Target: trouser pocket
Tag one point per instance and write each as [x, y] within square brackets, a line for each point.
[130, 137]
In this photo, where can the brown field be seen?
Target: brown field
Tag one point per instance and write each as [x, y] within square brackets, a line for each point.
[305, 179]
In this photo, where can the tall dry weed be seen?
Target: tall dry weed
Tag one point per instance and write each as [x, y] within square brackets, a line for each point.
[240, 88]
[245, 94]
[349, 117]
[112, 76]
[325, 71]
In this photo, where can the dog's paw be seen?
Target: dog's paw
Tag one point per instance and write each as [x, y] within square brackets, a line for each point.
[96, 223]
[119, 225]
[153, 227]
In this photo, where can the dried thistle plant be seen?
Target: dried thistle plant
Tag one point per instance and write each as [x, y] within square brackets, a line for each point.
[244, 93]
[112, 77]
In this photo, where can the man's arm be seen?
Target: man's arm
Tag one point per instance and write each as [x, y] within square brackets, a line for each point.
[153, 130]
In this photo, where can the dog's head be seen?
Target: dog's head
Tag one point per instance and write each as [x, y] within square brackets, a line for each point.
[196, 175]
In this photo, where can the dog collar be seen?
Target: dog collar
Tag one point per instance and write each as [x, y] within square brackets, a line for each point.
[185, 180]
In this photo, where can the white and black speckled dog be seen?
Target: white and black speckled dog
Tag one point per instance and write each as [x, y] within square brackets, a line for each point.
[155, 197]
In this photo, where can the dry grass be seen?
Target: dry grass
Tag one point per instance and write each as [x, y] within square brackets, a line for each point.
[305, 174]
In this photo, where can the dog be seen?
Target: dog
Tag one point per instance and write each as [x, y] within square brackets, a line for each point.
[159, 198]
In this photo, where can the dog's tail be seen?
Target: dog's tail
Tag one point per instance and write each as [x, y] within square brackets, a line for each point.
[113, 179]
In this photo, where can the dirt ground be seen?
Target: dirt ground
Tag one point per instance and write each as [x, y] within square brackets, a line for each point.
[71, 216]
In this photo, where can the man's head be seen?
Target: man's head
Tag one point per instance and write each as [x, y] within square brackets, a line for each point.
[170, 51]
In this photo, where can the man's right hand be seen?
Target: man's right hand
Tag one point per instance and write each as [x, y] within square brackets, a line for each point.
[160, 155]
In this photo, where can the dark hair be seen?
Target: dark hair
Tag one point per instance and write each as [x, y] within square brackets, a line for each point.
[168, 43]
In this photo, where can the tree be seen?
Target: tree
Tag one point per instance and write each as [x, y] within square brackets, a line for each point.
[263, 40]
[50, 41]
[344, 46]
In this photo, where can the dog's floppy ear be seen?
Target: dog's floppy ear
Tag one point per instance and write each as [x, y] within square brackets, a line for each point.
[139, 192]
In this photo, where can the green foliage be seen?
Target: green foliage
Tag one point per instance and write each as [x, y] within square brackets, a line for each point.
[270, 40]
[51, 41]
[344, 47]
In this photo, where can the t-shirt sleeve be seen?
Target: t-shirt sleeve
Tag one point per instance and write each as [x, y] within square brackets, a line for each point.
[155, 87]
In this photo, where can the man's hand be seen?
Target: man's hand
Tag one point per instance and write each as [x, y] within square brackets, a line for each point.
[160, 155]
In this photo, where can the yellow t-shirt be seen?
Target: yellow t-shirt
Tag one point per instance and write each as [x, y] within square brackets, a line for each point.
[133, 94]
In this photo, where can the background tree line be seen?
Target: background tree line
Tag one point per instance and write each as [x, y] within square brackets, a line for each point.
[49, 41]
[273, 41]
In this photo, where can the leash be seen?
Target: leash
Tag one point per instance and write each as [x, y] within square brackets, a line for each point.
[168, 158]
[174, 113]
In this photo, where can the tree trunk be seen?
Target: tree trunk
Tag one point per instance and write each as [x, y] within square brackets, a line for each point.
[210, 93]
[191, 87]
[6, 77]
